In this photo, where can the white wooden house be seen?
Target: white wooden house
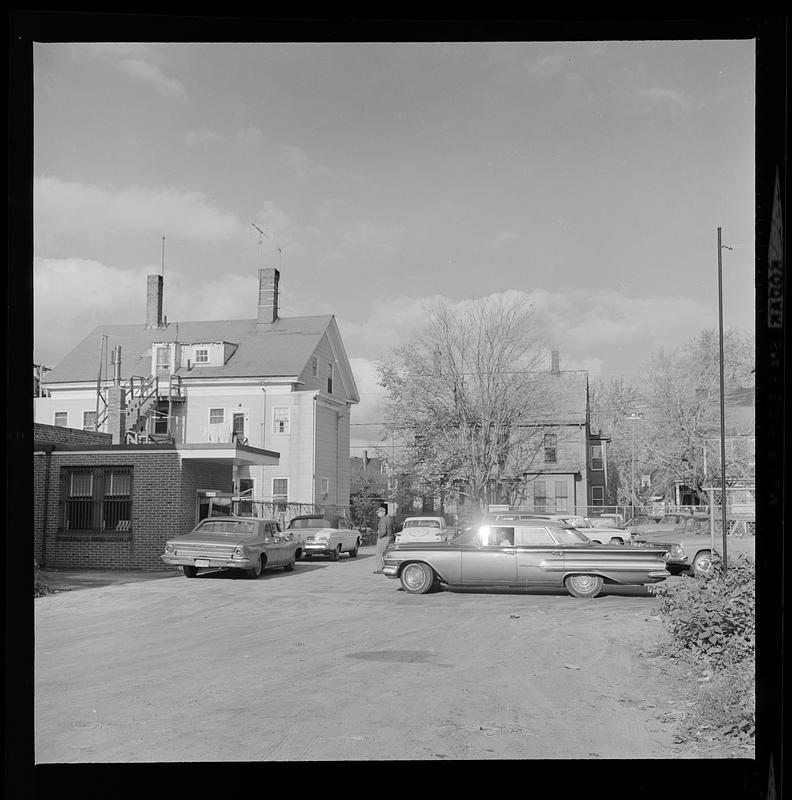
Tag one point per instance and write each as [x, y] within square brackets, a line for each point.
[282, 385]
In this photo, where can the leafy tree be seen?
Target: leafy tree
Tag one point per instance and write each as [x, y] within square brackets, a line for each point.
[678, 398]
[466, 398]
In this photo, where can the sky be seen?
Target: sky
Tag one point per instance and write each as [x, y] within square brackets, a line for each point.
[590, 176]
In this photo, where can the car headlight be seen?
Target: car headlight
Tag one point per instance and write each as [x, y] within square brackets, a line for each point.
[169, 548]
[239, 552]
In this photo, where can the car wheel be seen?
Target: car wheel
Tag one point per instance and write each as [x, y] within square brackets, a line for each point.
[189, 571]
[616, 540]
[583, 585]
[354, 551]
[335, 553]
[702, 564]
[417, 578]
[256, 570]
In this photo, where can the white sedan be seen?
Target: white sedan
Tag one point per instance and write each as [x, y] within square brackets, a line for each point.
[325, 535]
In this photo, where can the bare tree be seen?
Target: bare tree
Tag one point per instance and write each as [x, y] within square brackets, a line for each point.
[467, 397]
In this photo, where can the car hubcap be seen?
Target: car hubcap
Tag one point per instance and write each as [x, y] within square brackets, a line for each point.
[414, 577]
[583, 583]
[704, 565]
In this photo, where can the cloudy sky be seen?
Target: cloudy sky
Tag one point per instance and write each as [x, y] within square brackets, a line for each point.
[591, 176]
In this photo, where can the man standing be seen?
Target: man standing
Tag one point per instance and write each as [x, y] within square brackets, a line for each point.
[385, 536]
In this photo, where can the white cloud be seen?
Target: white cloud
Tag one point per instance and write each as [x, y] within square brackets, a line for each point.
[201, 137]
[299, 163]
[548, 65]
[72, 296]
[370, 236]
[250, 136]
[674, 97]
[150, 73]
[67, 211]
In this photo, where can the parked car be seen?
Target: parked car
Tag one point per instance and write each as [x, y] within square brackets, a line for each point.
[325, 535]
[425, 529]
[243, 543]
[524, 554]
[608, 521]
[692, 551]
[598, 533]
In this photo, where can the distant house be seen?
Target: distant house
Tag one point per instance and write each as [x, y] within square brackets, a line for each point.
[570, 472]
[273, 384]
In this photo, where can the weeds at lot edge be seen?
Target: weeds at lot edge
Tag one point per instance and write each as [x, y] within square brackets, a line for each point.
[709, 632]
[40, 588]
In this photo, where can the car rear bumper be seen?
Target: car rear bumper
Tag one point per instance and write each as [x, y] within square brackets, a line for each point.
[201, 562]
[309, 548]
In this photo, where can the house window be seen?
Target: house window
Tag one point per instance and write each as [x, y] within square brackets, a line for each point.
[280, 493]
[280, 419]
[324, 486]
[330, 378]
[540, 496]
[314, 365]
[561, 496]
[163, 360]
[61, 419]
[201, 356]
[596, 456]
[97, 499]
[89, 420]
[550, 442]
[597, 495]
[216, 416]
[238, 427]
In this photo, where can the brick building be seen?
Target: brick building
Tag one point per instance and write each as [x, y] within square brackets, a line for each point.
[112, 506]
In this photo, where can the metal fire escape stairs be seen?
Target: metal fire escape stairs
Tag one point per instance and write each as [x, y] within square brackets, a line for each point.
[143, 396]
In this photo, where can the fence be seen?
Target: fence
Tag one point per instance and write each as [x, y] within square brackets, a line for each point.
[283, 512]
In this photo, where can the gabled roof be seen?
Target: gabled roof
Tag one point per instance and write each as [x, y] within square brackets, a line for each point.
[564, 399]
[280, 348]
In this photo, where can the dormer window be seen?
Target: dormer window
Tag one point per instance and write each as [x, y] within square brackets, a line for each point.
[201, 355]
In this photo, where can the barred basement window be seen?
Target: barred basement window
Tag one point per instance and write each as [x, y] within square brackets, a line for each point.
[97, 499]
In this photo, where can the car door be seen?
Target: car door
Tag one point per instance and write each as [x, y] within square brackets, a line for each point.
[275, 546]
[540, 560]
[492, 562]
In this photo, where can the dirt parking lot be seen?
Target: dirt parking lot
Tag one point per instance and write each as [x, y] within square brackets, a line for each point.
[331, 662]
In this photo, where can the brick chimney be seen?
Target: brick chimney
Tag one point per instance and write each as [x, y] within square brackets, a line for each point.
[268, 295]
[154, 301]
[116, 413]
[554, 368]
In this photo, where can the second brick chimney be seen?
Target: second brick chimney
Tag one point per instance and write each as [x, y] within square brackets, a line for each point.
[268, 295]
[154, 301]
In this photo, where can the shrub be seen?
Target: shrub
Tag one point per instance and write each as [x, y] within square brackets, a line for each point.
[712, 619]
[711, 624]
[40, 588]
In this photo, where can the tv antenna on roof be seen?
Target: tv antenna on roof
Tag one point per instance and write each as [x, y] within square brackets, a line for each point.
[261, 232]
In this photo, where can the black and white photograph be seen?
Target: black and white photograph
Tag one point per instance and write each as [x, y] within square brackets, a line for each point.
[398, 398]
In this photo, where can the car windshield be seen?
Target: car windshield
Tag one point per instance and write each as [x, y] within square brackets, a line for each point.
[604, 522]
[570, 536]
[421, 523]
[305, 523]
[228, 526]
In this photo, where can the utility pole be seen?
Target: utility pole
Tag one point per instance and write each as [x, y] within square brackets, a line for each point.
[722, 401]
